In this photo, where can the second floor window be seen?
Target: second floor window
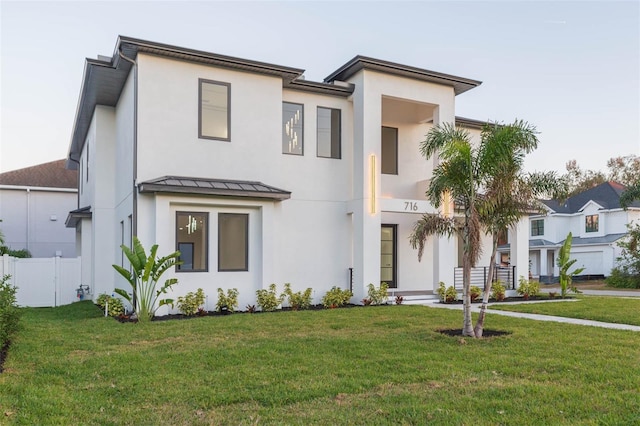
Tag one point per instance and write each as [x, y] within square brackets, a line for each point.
[214, 109]
[292, 128]
[591, 223]
[328, 132]
[389, 151]
[537, 227]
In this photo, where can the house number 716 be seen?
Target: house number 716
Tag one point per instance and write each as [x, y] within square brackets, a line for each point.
[410, 206]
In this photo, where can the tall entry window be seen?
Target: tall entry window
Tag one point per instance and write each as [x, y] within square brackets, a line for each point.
[389, 151]
[388, 259]
[191, 241]
[233, 242]
[214, 110]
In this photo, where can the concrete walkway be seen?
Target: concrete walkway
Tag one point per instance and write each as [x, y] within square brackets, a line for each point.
[537, 317]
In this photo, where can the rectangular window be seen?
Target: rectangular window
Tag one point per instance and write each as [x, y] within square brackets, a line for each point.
[292, 128]
[537, 227]
[214, 105]
[87, 162]
[233, 242]
[328, 132]
[191, 241]
[389, 151]
[591, 223]
[388, 259]
[121, 242]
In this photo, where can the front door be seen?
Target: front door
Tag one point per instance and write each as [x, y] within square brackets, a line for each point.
[388, 260]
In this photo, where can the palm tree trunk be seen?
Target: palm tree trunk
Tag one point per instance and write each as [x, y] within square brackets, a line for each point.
[467, 326]
[487, 287]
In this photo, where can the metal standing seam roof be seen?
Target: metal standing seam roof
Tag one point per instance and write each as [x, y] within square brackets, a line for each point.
[215, 187]
[74, 216]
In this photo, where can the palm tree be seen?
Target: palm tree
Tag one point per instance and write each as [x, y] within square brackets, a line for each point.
[463, 171]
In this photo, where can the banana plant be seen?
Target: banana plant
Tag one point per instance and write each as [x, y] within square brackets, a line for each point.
[565, 263]
[144, 276]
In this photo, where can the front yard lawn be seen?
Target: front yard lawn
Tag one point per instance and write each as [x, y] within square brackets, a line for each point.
[374, 365]
[618, 310]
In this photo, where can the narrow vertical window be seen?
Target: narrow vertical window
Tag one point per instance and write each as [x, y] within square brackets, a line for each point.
[121, 242]
[328, 132]
[389, 151]
[233, 242]
[191, 240]
[388, 259]
[87, 162]
[292, 128]
[537, 227]
[214, 106]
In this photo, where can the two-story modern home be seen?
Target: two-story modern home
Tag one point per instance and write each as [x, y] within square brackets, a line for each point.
[34, 202]
[596, 221]
[259, 176]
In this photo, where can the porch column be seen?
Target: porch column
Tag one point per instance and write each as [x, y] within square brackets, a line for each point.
[543, 268]
[365, 206]
[519, 237]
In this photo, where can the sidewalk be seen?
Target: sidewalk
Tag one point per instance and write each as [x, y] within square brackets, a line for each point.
[476, 308]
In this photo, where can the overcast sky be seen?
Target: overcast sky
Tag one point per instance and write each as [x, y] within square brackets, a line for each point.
[570, 68]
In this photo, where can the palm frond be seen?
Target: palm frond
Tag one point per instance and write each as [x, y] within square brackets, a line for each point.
[427, 225]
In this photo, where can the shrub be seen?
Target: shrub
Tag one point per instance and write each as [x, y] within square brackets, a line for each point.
[251, 309]
[621, 279]
[9, 311]
[378, 296]
[143, 279]
[474, 292]
[447, 294]
[298, 300]
[189, 303]
[527, 288]
[399, 300]
[20, 253]
[228, 302]
[498, 290]
[336, 297]
[268, 300]
[114, 305]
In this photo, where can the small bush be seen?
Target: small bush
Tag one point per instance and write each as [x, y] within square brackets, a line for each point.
[298, 300]
[189, 303]
[251, 309]
[447, 294]
[621, 279]
[378, 296]
[399, 300]
[114, 305]
[268, 300]
[498, 290]
[336, 297]
[9, 311]
[527, 288]
[474, 292]
[228, 302]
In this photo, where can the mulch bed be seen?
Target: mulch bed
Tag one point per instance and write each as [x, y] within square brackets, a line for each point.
[457, 332]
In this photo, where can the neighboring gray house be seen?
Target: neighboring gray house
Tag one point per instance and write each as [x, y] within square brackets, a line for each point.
[597, 223]
[34, 203]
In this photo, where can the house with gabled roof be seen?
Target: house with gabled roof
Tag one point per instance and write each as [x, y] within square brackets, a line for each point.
[34, 202]
[257, 175]
[597, 223]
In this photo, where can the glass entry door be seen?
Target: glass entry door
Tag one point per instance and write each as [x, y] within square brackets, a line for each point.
[388, 260]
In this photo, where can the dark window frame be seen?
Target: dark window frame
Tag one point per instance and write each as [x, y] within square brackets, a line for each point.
[339, 155]
[246, 245]
[536, 229]
[202, 81]
[301, 125]
[394, 227]
[206, 240]
[594, 226]
[397, 153]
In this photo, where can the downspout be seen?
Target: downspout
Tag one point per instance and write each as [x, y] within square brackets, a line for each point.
[134, 219]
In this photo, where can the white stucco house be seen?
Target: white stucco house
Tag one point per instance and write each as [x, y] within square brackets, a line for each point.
[597, 223]
[258, 175]
[34, 202]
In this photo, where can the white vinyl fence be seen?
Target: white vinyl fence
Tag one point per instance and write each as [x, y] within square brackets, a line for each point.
[43, 282]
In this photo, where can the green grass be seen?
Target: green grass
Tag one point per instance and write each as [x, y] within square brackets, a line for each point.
[377, 365]
[598, 308]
